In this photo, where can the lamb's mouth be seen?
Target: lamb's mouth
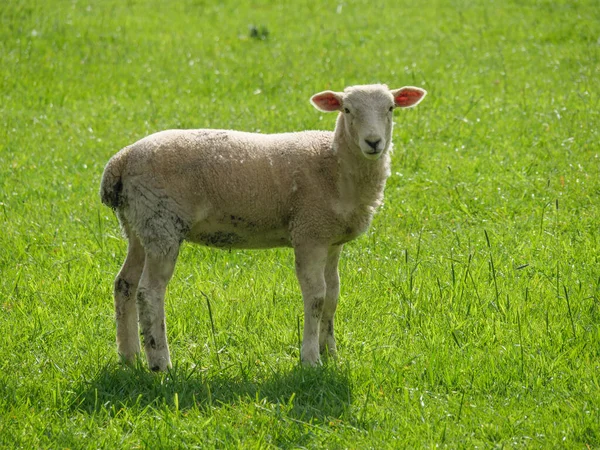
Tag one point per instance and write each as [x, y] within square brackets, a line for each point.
[373, 154]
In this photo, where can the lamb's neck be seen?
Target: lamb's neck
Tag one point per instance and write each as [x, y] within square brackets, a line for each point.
[360, 181]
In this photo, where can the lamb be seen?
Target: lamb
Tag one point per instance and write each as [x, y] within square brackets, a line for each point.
[311, 190]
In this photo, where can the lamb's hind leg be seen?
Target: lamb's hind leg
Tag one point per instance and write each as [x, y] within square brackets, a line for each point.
[126, 282]
[158, 270]
[332, 280]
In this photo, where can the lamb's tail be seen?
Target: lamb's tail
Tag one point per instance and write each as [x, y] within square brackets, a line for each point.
[112, 183]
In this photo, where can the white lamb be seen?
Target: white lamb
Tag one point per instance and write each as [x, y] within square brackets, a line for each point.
[312, 191]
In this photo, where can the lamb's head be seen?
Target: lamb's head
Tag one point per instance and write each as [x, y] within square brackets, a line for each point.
[366, 113]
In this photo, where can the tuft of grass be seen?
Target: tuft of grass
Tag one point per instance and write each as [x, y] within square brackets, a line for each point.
[469, 313]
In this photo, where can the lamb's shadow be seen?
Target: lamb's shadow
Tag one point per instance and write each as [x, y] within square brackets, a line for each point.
[306, 394]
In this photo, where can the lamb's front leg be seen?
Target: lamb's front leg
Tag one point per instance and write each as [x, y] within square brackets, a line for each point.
[151, 306]
[332, 281]
[310, 270]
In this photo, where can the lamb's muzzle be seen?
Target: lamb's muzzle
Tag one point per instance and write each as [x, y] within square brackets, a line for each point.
[312, 191]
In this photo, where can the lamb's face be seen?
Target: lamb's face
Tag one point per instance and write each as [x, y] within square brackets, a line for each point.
[368, 120]
[367, 114]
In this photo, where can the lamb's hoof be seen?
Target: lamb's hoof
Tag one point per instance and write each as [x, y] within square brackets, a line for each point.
[311, 358]
[316, 363]
[159, 364]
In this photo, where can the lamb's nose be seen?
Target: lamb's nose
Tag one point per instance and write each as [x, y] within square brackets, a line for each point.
[373, 144]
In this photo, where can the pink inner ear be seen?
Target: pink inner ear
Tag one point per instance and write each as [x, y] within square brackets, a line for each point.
[327, 101]
[408, 97]
[332, 101]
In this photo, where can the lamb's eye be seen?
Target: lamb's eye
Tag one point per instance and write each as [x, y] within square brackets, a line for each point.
[346, 110]
[391, 108]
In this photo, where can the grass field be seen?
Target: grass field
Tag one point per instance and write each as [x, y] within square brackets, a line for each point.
[470, 312]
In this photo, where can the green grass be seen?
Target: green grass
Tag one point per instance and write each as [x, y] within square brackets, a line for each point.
[470, 312]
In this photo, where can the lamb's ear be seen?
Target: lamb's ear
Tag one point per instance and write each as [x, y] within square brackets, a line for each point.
[327, 101]
[408, 96]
